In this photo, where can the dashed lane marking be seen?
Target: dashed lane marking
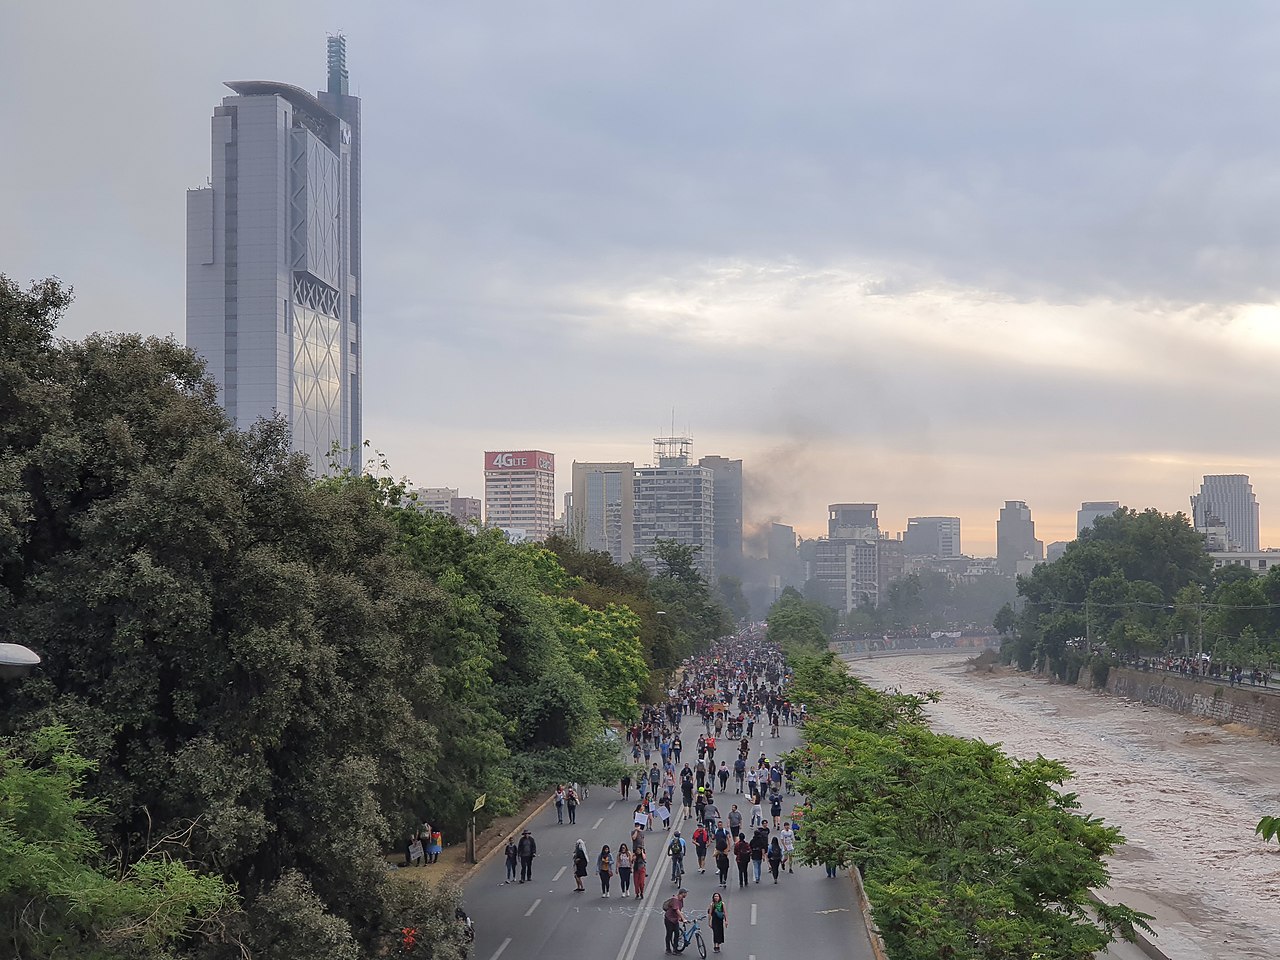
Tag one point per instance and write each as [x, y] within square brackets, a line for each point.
[534, 906]
[507, 942]
[753, 914]
[559, 874]
[598, 822]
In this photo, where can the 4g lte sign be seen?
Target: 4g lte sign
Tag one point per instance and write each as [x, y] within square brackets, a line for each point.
[519, 460]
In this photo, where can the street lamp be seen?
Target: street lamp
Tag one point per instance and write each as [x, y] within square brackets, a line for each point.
[17, 661]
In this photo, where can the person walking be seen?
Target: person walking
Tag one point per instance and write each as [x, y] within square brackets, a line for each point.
[527, 848]
[742, 853]
[719, 918]
[788, 845]
[672, 917]
[758, 846]
[559, 798]
[571, 804]
[775, 857]
[604, 866]
[625, 785]
[639, 868]
[513, 857]
[624, 870]
[579, 866]
[664, 813]
[700, 840]
[722, 867]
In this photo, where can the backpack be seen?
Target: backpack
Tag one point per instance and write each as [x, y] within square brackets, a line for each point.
[675, 850]
[668, 903]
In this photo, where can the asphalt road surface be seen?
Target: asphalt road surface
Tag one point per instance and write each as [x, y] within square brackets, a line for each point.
[805, 915]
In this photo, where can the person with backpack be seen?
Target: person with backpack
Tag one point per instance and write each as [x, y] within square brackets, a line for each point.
[675, 850]
[579, 866]
[775, 858]
[722, 865]
[775, 810]
[700, 841]
[718, 918]
[672, 917]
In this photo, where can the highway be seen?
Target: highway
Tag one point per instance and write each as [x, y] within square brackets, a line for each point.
[546, 920]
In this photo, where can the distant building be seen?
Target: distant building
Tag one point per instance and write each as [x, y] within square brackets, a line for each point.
[675, 500]
[856, 564]
[852, 520]
[1229, 499]
[1055, 550]
[1016, 537]
[274, 286]
[601, 509]
[520, 493]
[728, 518]
[785, 565]
[1091, 510]
[1260, 561]
[932, 537]
[446, 500]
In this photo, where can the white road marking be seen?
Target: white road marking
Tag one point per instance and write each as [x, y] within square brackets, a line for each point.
[507, 942]
[612, 805]
[631, 942]
[753, 914]
[598, 822]
[529, 912]
[559, 874]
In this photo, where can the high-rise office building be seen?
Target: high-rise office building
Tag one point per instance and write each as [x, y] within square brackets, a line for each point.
[728, 523]
[1091, 510]
[273, 261]
[602, 512]
[520, 493]
[1229, 499]
[932, 537]
[855, 564]
[1016, 537]
[675, 500]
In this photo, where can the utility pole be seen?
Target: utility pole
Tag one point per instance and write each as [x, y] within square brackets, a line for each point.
[1088, 631]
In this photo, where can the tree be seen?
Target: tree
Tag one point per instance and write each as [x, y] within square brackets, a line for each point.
[59, 894]
[797, 625]
[1005, 619]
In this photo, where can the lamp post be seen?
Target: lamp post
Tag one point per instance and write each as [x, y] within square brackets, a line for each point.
[17, 661]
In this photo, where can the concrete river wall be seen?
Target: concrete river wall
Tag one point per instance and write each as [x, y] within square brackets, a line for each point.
[1250, 707]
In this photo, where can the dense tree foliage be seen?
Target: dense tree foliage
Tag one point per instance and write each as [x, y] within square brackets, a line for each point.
[930, 600]
[60, 896]
[282, 670]
[966, 852]
[1141, 584]
[798, 625]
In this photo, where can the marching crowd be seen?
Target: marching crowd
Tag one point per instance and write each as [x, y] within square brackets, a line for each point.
[712, 803]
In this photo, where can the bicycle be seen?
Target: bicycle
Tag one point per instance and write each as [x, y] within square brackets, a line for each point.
[690, 934]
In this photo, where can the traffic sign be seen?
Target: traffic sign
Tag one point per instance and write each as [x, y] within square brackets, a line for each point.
[479, 802]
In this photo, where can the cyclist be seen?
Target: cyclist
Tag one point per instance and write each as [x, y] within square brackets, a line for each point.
[675, 850]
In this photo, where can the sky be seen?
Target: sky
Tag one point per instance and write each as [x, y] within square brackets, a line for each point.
[932, 255]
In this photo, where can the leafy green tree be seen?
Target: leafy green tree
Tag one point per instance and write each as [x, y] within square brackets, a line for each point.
[1005, 620]
[797, 625]
[686, 598]
[60, 896]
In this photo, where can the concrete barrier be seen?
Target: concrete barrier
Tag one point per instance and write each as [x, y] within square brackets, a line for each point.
[1198, 698]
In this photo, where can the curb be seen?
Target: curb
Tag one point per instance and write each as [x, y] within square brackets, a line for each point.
[864, 905]
[474, 868]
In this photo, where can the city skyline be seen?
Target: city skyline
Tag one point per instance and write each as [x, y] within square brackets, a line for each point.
[1007, 318]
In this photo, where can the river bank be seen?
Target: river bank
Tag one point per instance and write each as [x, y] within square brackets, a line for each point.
[1184, 792]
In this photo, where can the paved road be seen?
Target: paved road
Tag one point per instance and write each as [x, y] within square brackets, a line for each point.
[805, 914]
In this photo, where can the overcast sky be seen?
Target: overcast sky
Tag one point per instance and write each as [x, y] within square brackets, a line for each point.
[935, 255]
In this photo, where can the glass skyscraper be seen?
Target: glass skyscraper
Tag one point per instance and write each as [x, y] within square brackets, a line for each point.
[273, 261]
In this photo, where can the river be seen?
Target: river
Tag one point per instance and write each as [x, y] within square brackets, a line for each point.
[1185, 793]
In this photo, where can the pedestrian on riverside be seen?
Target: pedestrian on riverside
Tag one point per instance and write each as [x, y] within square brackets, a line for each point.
[672, 917]
[513, 857]
[719, 919]
[579, 866]
[625, 785]
[742, 853]
[639, 869]
[775, 858]
[571, 804]
[528, 849]
[722, 867]
[604, 867]
[624, 870]
[559, 799]
[436, 848]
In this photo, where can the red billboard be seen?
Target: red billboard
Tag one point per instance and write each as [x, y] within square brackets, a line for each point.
[519, 460]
